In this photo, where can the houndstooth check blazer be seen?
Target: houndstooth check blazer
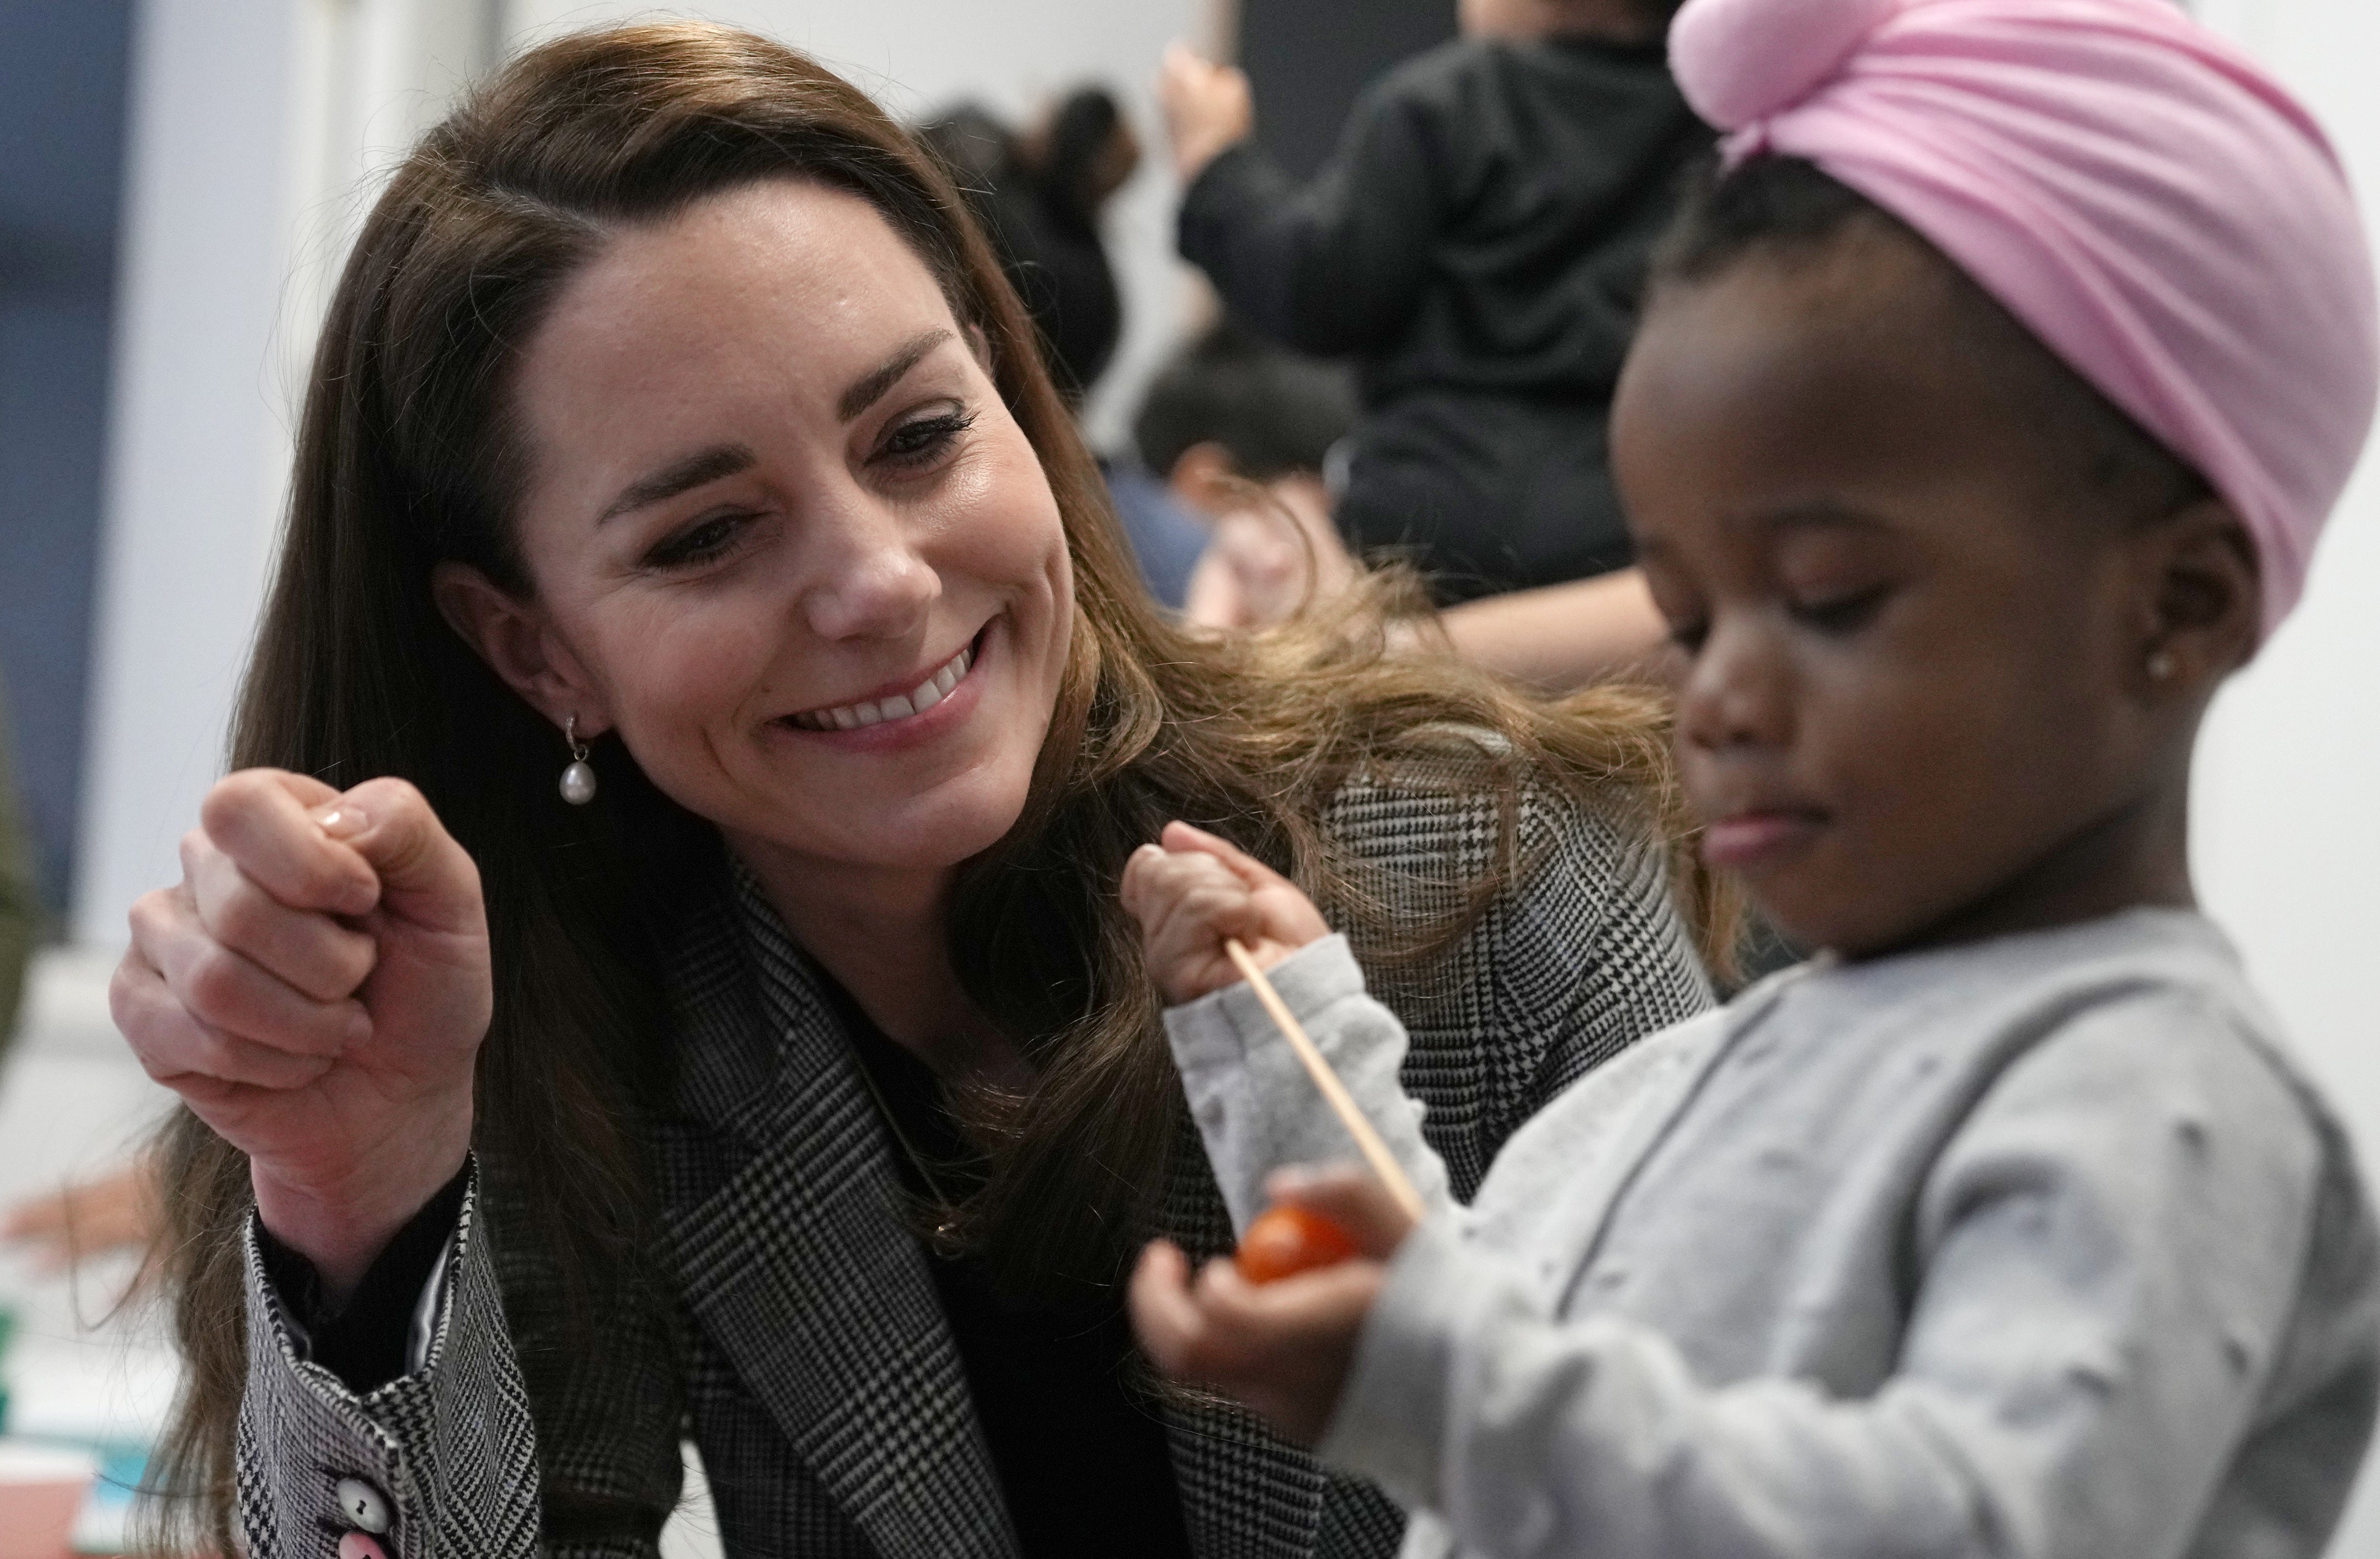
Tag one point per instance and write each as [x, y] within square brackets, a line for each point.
[817, 1374]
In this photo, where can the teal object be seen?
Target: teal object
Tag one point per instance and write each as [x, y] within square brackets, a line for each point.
[8, 1330]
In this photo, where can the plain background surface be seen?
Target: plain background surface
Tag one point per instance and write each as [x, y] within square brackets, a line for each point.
[255, 123]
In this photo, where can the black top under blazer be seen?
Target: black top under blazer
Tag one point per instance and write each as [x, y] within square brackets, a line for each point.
[804, 1346]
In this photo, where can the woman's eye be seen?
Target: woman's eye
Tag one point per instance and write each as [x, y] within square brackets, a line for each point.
[1689, 636]
[1842, 614]
[922, 440]
[698, 543]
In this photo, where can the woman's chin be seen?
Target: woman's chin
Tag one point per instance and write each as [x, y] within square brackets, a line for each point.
[934, 829]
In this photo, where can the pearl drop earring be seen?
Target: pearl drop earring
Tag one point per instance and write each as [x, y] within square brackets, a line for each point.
[2160, 665]
[578, 779]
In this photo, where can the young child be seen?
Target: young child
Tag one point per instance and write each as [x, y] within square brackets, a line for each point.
[1987, 407]
[1476, 245]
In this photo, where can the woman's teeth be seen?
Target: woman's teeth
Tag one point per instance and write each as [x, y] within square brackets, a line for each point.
[875, 711]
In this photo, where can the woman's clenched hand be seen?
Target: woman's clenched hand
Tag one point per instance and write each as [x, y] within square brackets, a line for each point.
[316, 989]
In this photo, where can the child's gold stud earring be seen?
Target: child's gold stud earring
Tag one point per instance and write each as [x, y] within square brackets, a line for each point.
[2160, 664]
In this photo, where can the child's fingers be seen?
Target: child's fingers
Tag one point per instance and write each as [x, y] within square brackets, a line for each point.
[1186, 839]
[1244, 1320]
[1164, 1316]
[1142, 870]
[1349, 1196]
[1185, 901]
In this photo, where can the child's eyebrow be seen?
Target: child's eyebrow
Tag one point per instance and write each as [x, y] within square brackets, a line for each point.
[1815, 514]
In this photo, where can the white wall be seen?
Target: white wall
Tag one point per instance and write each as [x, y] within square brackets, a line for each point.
[2286, 823]
[191, 480]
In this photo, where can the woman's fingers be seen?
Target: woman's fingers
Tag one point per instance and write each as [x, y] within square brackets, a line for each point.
[226, 994]
[271, 825]
[187, 1055]
[313, 954]
[426, 878]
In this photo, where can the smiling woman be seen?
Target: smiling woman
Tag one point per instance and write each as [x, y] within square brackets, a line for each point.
[802, 1092]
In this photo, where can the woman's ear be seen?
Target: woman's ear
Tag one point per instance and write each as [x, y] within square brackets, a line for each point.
[513, 636]
[2201, 595]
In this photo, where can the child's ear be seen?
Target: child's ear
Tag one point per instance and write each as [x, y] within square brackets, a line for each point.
[2201, 597]
[1205, 476]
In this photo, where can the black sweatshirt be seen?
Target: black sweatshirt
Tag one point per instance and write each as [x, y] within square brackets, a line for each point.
[1477, 243]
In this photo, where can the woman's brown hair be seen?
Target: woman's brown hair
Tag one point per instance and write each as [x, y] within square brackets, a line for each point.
[408, 454]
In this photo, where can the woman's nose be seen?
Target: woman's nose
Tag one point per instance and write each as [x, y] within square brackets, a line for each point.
[868, 578]
[1737, 692]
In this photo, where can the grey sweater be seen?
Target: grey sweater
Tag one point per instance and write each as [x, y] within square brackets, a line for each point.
[2030, 1249]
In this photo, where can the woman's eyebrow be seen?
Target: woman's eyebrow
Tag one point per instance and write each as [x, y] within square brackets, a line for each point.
[869, 390]
[682, 476]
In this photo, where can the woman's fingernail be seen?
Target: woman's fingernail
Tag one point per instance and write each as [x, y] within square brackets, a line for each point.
[360, 1029]
[344, 821]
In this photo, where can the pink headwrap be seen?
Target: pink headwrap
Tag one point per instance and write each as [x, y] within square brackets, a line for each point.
[2148, 203]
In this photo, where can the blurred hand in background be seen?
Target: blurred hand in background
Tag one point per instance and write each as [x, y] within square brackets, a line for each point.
[1208, 108]
[63, 1229]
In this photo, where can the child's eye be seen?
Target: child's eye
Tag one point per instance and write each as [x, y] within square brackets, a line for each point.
[1842, 614]
[922, 440]
[700, 543]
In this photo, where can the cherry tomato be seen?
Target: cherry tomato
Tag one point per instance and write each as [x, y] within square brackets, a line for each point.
[1286, 1239]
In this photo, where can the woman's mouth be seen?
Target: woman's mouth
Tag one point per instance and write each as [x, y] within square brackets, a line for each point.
[892, 707]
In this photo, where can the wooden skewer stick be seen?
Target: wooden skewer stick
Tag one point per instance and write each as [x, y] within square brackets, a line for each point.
[1342, 1104]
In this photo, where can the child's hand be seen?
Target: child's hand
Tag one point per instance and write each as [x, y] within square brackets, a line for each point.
[1281, 1348]
[1194, 890]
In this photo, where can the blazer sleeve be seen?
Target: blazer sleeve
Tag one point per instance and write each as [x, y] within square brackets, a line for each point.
[1580, 955]
[2099, 1302]
[448, 1448]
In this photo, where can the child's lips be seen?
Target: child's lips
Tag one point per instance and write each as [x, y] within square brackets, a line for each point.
[1753, 839]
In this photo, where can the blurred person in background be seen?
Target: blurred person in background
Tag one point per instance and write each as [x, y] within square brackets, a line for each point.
[1477, 243]
[1241, 432]
[1041, 195]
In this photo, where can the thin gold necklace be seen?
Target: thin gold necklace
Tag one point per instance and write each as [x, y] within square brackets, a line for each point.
[944, 1207]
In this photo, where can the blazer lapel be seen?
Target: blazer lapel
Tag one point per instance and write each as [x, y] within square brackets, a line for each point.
[1245, 1493]
[783, 1215]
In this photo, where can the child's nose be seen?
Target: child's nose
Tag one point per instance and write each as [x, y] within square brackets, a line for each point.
[1737, 692]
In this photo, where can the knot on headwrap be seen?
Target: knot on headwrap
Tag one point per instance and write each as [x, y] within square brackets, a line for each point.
[1803, 42]
[2141, 196]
